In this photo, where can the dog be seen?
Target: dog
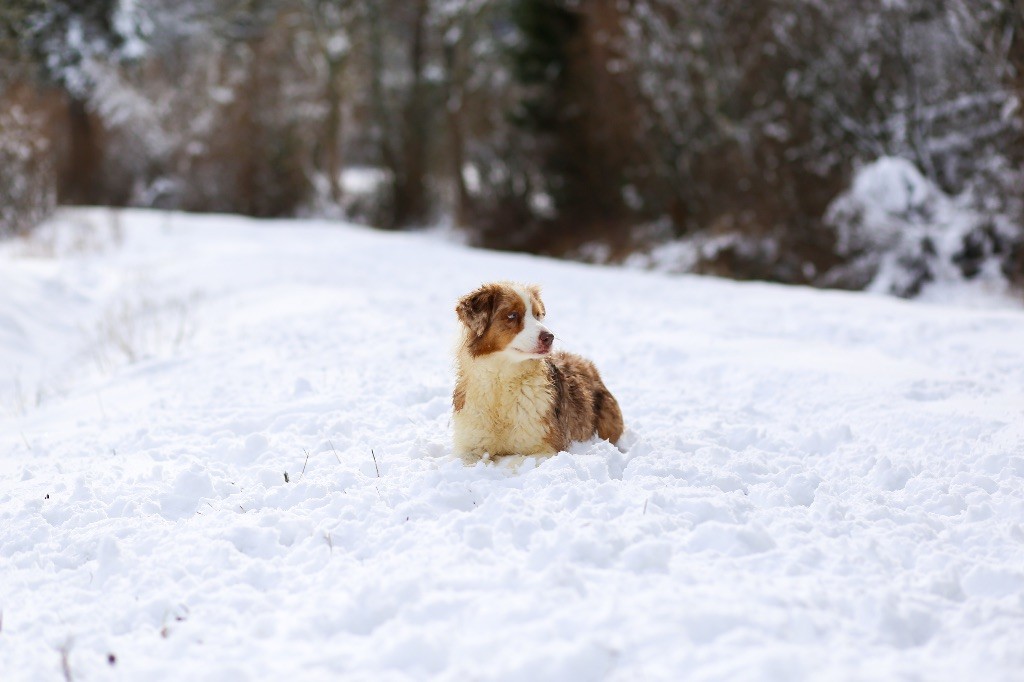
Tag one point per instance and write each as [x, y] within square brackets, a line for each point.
[513, 395]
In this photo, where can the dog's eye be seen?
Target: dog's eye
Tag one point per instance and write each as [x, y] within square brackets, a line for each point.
[512, 317]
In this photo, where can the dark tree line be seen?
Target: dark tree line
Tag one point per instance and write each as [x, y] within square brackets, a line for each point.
[594, 129]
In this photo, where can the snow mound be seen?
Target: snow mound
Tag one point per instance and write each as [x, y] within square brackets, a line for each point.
[814, 485]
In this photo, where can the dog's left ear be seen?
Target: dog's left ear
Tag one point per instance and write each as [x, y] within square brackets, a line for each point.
[474, 309]
[538, 305]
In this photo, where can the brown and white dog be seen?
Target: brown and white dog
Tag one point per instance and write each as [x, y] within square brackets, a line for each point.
[512, 394]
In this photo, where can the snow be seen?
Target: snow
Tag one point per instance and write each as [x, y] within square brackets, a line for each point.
[814, 485]
[363, 180]
[891, 187]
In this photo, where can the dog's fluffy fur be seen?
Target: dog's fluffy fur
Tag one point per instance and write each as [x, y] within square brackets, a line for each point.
[512, 394]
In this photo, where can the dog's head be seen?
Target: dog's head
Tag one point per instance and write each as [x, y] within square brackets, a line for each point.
[505, 318]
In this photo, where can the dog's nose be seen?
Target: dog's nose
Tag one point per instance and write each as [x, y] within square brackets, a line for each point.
[547, 338]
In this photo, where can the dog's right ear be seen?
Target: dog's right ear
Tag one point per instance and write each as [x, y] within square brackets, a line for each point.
[474, 309]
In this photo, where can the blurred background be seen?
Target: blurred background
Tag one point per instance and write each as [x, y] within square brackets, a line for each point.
[871, 144]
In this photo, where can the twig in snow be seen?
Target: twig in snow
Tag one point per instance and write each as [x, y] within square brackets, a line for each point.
[286, 477]
[375, 462]
[65, 665]
[303, 472]
[335, 451]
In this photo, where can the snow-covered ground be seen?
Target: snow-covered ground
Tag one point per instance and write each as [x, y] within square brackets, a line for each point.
[816, 485]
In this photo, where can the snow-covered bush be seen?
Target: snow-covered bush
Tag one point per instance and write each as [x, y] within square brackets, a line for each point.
[896, 232]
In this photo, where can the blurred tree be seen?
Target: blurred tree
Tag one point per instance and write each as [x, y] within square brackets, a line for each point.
[26, 172]
[64, 39]
[331, 23]
[403, 102]
[576, 109]
[488, 158]
[994, 30]
[459, 25]
[13, 16]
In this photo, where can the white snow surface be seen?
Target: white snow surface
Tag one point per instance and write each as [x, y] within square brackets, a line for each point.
[813, 485]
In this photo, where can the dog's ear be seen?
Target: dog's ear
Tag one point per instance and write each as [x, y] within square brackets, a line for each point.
[538, 305]
[474, 309]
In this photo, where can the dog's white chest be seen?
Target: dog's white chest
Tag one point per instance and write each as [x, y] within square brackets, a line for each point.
[504, 415]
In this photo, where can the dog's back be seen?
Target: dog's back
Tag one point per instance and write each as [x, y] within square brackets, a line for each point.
[582, 405]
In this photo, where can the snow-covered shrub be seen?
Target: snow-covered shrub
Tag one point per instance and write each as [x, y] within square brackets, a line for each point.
[897, 232]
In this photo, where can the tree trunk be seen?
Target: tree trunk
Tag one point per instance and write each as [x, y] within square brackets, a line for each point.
[411, 188]
[79, 177]
[454, 106]
[332, 133]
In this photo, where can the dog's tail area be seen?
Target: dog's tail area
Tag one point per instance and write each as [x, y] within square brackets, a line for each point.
[609, 416]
